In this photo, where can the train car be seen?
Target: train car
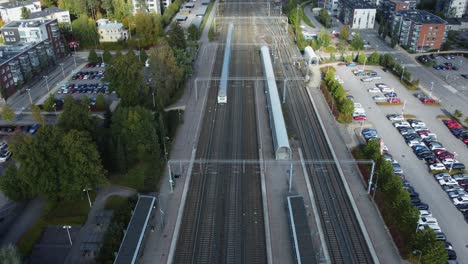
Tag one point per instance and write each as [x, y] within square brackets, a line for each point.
[222, 91]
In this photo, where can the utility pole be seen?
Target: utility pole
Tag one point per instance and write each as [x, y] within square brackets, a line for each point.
[68, 232]
[47, 82]
[30, 98]
[87, 193]
[63, 73]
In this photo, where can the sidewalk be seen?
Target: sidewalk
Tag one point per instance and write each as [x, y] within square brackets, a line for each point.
[376, 228]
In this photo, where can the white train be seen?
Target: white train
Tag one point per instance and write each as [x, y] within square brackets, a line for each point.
[222, 91]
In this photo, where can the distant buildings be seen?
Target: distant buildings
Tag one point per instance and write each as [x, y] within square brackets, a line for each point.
[452, 8]
[62, 15]
[418, 30]
[387, 7]
[110, 31]
[147, 5]
[358, 14]
[32, 45]
[10, 11]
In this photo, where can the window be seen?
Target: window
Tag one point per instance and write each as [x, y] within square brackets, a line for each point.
[11, 33]
[9, 75]
[22, 34]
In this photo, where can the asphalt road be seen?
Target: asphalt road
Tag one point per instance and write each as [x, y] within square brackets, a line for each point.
[415, 170]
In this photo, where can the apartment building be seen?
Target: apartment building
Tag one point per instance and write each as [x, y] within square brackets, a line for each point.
[418, 30]
[62, 15]
[452, 8]
[147, 5]
[387, 7]
[358, 14]
[332, 7]
[110, 31]
[11, 11]
[30, 31]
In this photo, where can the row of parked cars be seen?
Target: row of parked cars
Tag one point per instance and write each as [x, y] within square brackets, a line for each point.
[385, 93]
[425, 99]
[88, 75]
[85, 88]
[96, 65]
[457, 130]
[426, 220]
[30, 129]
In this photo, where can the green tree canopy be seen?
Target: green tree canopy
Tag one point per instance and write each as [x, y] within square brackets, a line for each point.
[432, 250]
[344, 33]
[37, 115]
[324, 38]
[357, 43]
[126, 77]
[10, 255]
[75, 116]
[193, 33]
[49, 103]
[361, 58]
[324, 18]
[93, 57]
[107, 57]
[8, 113]
[85, 30]
[101, 103]
[374, 58]
[14, 187]
[148, 28]
[25, 13]
[176, 37]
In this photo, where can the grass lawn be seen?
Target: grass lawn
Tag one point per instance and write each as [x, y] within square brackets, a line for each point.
[134, 178]
[55, 213]
[306, 19]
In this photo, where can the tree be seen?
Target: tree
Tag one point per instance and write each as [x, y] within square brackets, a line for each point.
[143, 56]
[315, 44]
[75, 116]
[85, 30]
[176, 37]
[349, 58]
[432, 250]
[25, 12]
[106, 56]
[148, 28]
[101, 103]
[347, 107]
[49, 103]
[357, 43]
[126, 78]
[324, 18]
[134, 136]
[344, 33]
[395, 37]
[4, 93]
[13, 187]
[8, 113]
[458, 113]
[361, 58]
[324, 38]
[193, 33]
[374, 58]
[10, 255]
[93, 57]
[37, 115]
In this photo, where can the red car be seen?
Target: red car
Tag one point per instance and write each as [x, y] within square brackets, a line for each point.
[453, 125]
[394, 100]
[445, 155]
[428, 101]
[423, 132]
[360, 117]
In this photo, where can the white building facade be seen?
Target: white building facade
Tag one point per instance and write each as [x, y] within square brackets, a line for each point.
[11, 11]
[453, 8]
[110, 31]
[147, 5]
[62, 15]
[357, 14]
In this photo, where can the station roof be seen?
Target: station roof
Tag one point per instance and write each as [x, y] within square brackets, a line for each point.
[131, 242]
[300, 230]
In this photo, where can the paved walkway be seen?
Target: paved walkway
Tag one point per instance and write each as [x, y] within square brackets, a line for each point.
[378, 232]
[75, 255]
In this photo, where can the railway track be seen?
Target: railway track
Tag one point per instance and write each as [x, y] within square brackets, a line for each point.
[223, 216]
[342, 232]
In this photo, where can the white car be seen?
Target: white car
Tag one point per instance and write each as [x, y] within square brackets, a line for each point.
[418, 124]
[367, 79]
[374, 90]
[425, 213]
[434, 227]
[340, 81]
[4, 156]
[437, 167]
[401, 124]
[448, 162]
[396, 117]
[376, 77]
[459, 177]
[460, 200]
[440, 176]
[427, 220]
[412, 143]
[432, 136]
[387, 90]
[381, 85]
[446, 181]
[420, 128]
[379, 98]
[457, 193]
[357, 105]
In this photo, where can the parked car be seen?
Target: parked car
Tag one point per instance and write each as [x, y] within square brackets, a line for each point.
[397, 168]
[373, 90]
[440, 176]
[434, 227]
[460, 176]
[437, 167]
[381, 85]
[425, 213]
[460, 200]
[387, 90]
[401, 124]
[457, 166]
[379, 98]
[33, 129]
[447, 181]
[394, 100]
[396, 117]
[457, 193]
[351, 64]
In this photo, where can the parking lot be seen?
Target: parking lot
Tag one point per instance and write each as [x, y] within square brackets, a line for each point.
[88, 81]
[453, 77]
[416, 171]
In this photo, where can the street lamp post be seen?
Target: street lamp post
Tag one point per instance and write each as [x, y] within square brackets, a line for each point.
[432, 87]
[87, 193]
[47, 82]
[30, 98]
[74, 59]
[63, 73]
[418, 252]
[453, 161]
[402, 72]
[68, 232]
[55, 109]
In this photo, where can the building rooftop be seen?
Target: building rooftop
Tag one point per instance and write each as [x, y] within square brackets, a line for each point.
[132, 240]
[27, 23]
[7, 5]
[358, 4]
[421, 16]
[110, 25]
[46, 12]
